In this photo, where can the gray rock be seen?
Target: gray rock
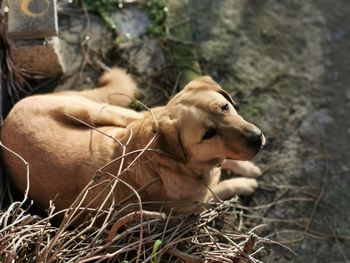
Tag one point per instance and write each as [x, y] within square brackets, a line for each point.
[131, 22]
[347, 94]
[76, 38]
[314, 124]
[146, 56]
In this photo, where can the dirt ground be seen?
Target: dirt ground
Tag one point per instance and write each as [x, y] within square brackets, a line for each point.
[287, 64]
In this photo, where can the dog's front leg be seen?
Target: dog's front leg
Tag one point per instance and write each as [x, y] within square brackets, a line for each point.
[235, 186]
[243, 168]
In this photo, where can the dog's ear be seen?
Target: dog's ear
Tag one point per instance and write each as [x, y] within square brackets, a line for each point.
[207, 83]
[169, 138]
[213, 85]
[210, 83]
[228, 97]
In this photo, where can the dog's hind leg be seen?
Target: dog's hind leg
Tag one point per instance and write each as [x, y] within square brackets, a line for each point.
[243, 168]
[117, 88]
[97, 114]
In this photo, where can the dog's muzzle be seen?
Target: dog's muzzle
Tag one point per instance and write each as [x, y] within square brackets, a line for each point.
[255, 138]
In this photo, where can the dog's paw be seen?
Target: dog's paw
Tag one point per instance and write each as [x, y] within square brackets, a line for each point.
[243, 168]
[251, 170]
[235, 186]
[245, 186]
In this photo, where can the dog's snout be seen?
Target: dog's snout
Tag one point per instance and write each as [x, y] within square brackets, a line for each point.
[254, 138]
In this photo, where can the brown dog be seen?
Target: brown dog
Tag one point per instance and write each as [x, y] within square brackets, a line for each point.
[197, 131]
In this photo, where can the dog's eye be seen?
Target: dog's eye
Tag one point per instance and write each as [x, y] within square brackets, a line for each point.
[225, 108]
[209, 134]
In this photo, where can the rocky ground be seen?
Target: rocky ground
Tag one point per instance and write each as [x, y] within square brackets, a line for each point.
[287, 64]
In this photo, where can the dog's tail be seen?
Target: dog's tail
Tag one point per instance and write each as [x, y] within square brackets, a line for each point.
[121, 87]
[117, 77]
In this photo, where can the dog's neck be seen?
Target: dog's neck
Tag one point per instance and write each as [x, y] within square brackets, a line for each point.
[143, 134]
[203, 167]
[157, 164]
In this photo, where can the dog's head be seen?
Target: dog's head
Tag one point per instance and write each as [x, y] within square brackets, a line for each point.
[202, 126]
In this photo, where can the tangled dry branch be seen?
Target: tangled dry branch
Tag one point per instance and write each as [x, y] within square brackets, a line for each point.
[190, 238]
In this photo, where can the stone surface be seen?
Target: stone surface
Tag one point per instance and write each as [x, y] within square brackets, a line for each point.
[32, 19]
[38, 56]
[286, 63]
[131, 22]
[146, 56]
[77, 37]
[183, 51]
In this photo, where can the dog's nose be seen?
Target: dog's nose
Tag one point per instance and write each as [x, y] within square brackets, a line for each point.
[255, 138]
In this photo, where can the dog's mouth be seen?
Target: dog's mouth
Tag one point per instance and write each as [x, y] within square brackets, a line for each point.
[249, 151]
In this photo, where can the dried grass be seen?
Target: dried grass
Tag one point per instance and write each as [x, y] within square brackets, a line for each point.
[214, 235]
[189, 238]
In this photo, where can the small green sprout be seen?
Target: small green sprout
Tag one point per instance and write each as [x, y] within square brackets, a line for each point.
[156, 247]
